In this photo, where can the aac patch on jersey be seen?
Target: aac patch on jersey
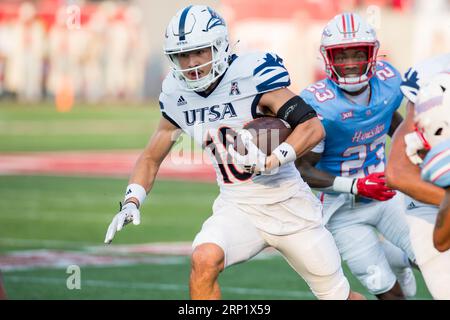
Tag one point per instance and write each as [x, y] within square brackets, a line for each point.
[234, 89]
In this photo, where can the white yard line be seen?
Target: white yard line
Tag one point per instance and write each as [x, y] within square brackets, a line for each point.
[45, 242]
[55, 254]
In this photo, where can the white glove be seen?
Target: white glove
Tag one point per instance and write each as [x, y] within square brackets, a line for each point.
[128, 213]
[413, 145]
[254, 161]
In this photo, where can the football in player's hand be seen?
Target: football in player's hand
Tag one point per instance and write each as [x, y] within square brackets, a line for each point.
[267, 132]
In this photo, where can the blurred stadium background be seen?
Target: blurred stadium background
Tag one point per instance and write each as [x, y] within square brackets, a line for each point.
[79, 82]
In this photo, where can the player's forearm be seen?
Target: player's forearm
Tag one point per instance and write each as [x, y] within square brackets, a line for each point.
[318, 179]
[306, 136]
[148, 163]
[315, 178]
[404, 176]
[441, 234]
[418, 189]
[144, 171]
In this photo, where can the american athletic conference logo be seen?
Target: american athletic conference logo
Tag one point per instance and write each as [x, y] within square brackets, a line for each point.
[234, 91]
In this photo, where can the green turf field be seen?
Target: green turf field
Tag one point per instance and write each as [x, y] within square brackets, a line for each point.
[72, 214]
[41, 214]
[25, 128]
[41, 128]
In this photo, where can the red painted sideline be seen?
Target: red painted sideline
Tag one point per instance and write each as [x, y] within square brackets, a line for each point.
[104, 163]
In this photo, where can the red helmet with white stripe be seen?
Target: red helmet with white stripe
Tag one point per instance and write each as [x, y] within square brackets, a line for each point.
[349, 31]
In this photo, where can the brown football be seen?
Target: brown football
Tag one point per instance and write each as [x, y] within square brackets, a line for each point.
[267, 132]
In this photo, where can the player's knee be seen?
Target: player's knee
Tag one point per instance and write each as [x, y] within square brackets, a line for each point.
[325, 246]
[377, 279]
[333, 287]
[207, 258]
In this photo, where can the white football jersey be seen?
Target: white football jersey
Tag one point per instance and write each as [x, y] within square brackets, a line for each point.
[417, 76]
[413, 79]
[213, 119]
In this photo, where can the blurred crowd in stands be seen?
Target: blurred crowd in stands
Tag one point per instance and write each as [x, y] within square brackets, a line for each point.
[95, 52]
[110, 50]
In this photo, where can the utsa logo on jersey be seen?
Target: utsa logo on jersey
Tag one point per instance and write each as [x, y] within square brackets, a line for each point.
[211, 114]
[355, 134]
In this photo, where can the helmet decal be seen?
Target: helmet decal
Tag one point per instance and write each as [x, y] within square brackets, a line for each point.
[181, 31]
[216, 20]
[348, 25]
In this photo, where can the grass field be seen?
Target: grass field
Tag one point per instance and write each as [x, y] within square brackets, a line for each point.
[56, 217]
[41, 128]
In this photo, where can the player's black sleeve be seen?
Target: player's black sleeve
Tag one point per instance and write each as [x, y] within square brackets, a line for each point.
[296, 111]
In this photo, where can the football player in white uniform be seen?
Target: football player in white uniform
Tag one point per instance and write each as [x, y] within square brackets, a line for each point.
[432, 120]
[210, 95]
[424, 197]
[357, 105]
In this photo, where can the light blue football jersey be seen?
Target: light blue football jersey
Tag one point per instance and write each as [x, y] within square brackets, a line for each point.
[436, 165]
[356, 134]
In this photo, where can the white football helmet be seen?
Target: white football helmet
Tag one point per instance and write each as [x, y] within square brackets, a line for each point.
[192, 28]
[344, 31]
[432, 109]
[432, 117]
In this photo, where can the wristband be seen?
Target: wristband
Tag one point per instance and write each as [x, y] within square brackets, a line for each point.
[137, 191]
[345, 185]
[285, 153]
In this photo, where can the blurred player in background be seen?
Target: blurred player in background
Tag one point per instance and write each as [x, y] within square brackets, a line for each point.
[423, 197]
[357, 105]
[432, 118]
[23, 72]
[210, 94]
